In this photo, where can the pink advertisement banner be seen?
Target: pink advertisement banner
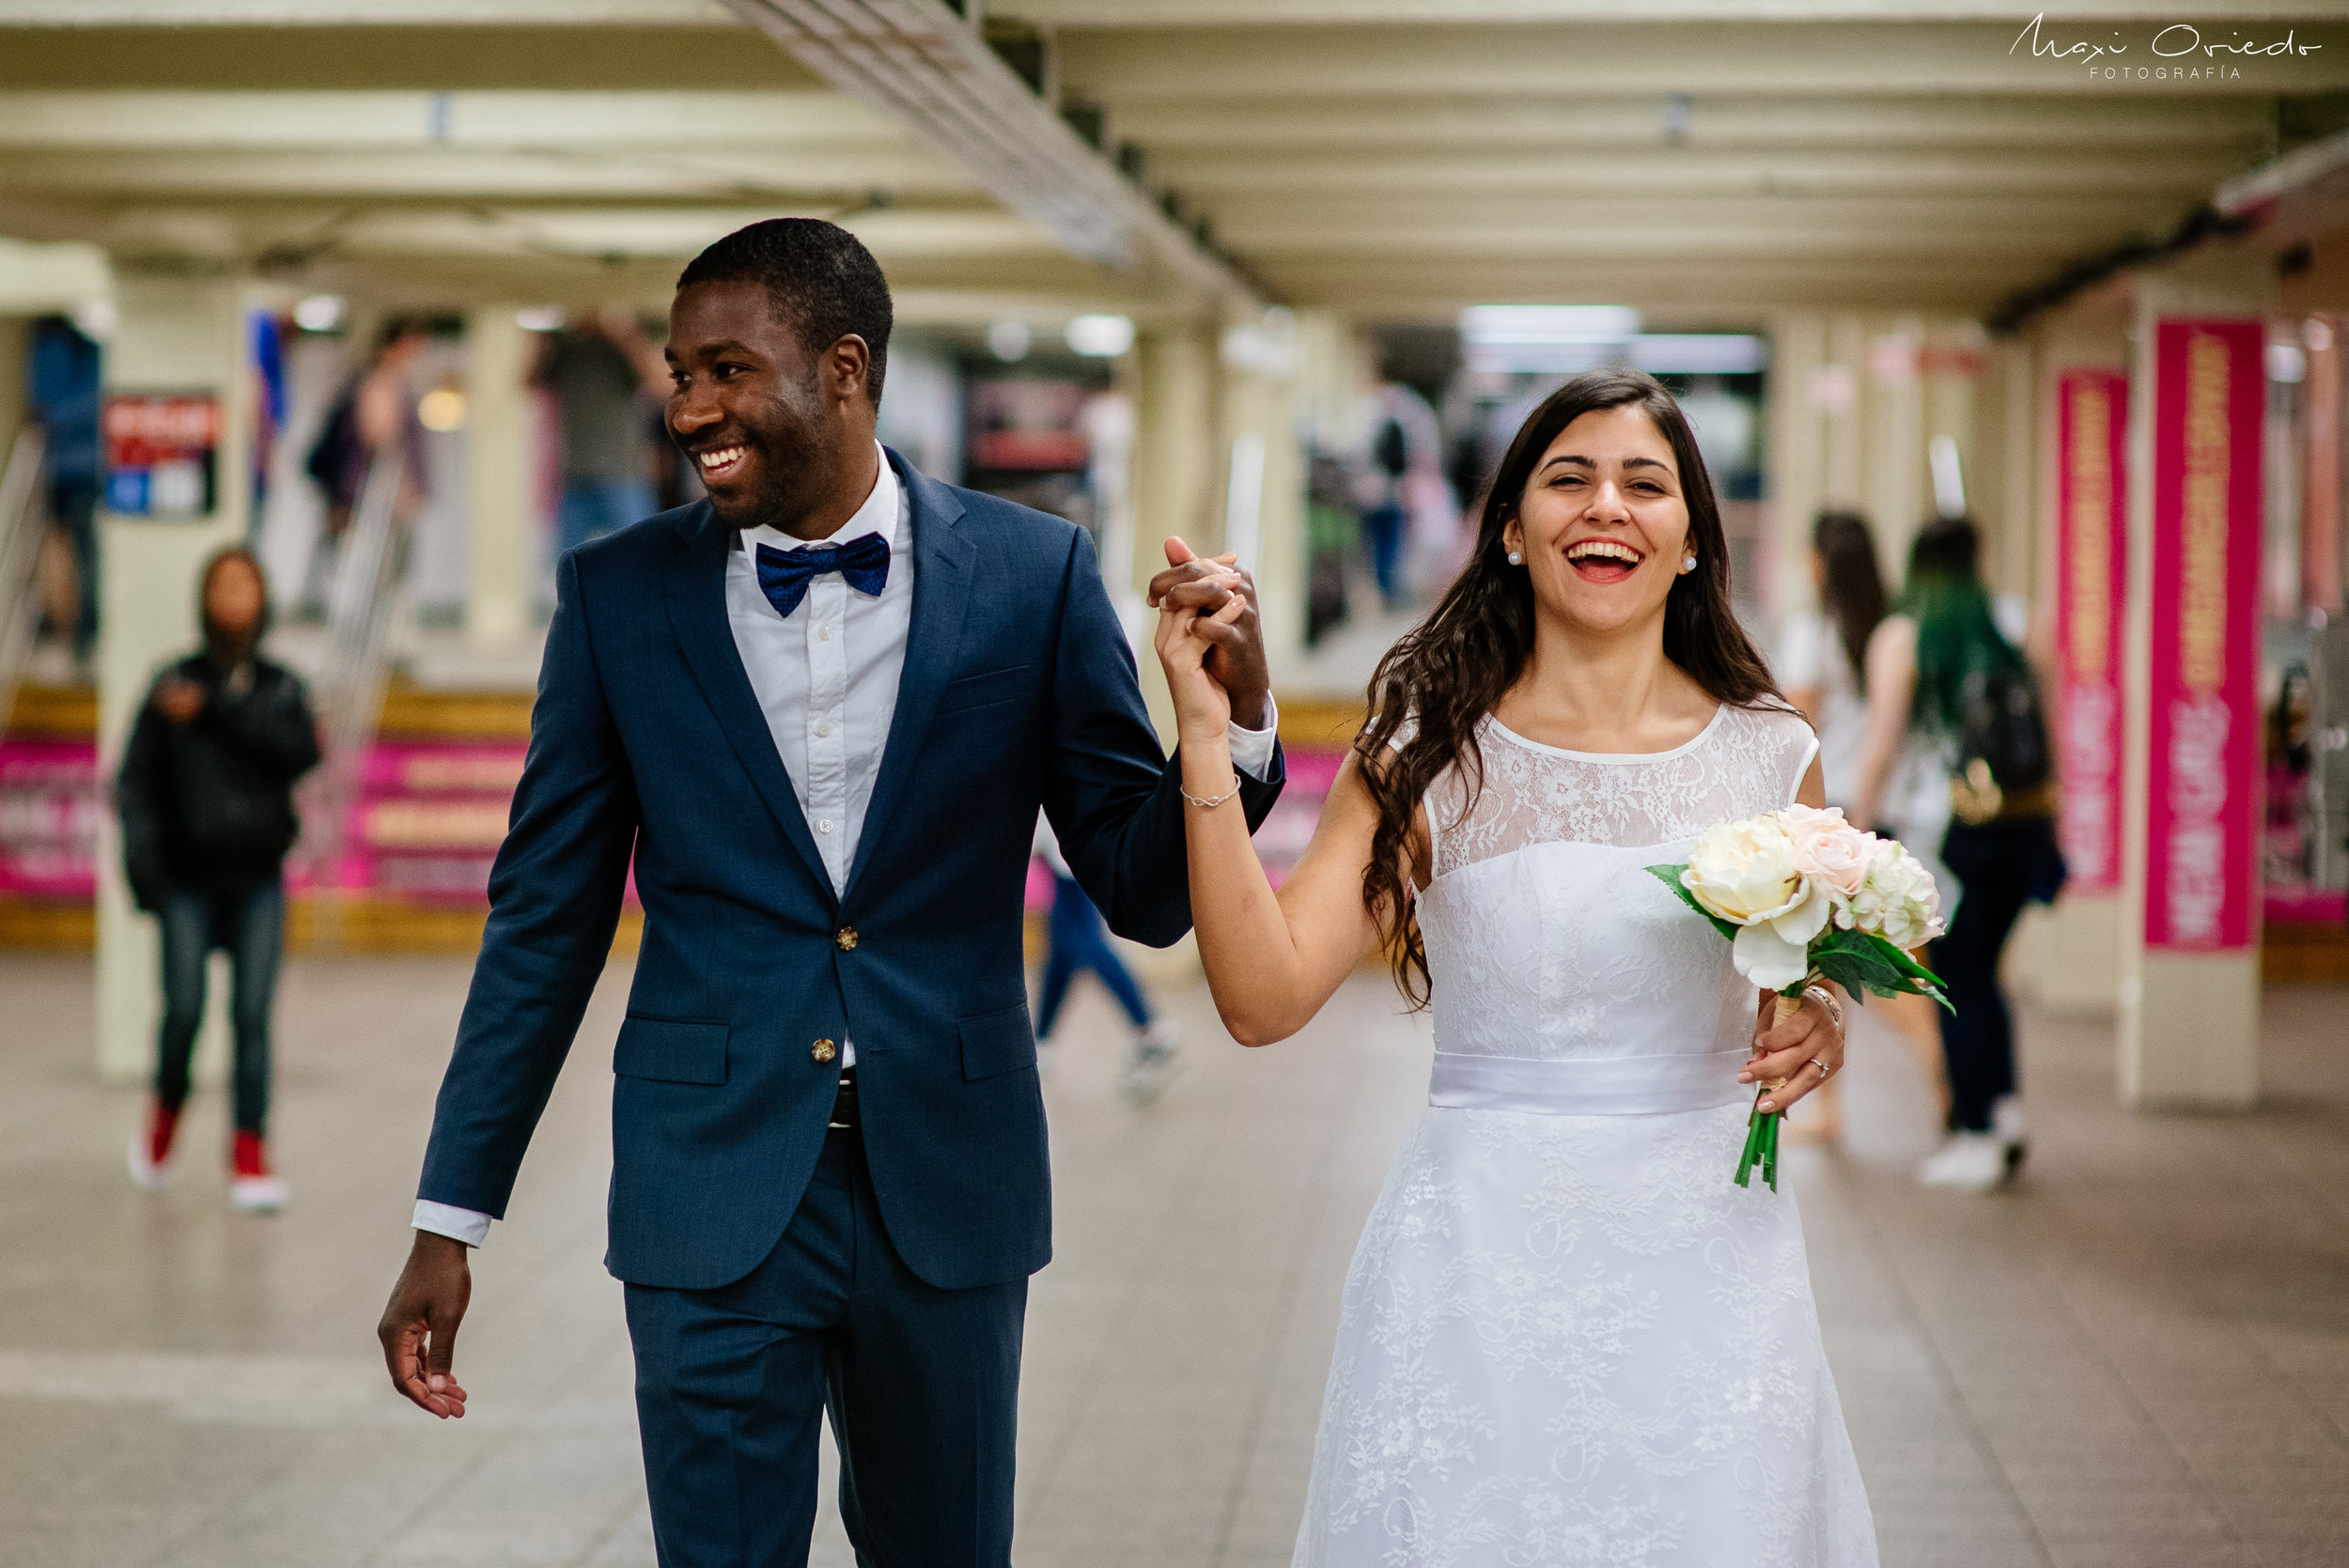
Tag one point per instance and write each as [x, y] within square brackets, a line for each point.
[2092, 523]
[2202, 790]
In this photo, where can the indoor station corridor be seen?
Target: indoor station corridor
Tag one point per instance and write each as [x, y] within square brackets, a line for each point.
[717, 514]
[2136, 1358]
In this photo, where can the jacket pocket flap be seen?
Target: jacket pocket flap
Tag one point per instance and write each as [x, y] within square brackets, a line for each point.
[671, 1050]
[991, 686]
[995, 1042]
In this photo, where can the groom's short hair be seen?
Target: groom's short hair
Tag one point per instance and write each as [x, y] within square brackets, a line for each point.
[818, 277]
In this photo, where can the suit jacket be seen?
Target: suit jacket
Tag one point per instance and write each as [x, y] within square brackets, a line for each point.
[1019, 691]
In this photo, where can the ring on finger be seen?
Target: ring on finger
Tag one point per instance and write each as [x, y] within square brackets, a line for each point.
[1825, 1070]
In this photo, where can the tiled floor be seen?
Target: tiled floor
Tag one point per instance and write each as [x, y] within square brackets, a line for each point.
[2140, 1359]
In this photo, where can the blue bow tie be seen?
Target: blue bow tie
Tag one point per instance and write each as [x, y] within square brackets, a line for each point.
[784, 574]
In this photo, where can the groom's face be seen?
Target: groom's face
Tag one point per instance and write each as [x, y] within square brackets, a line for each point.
[771, 428]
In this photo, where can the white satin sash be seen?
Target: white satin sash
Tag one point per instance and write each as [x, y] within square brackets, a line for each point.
[1596, 1086]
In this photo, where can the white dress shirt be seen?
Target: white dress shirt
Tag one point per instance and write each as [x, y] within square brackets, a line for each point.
[826, 678]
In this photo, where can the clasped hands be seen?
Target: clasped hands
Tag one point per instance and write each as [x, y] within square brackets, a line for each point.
[1211, 641]
[1804, 1051]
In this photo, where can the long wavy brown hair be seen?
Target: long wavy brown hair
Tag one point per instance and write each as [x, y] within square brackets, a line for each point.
[1443, 677]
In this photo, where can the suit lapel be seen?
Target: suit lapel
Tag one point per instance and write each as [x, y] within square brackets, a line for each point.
[696, 593]
[943, 560]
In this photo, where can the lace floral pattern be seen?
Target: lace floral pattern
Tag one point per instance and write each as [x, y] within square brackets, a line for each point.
[1570, 1339]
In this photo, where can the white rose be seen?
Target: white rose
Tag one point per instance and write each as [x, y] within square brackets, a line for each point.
[1744, 872]
[1829, 849]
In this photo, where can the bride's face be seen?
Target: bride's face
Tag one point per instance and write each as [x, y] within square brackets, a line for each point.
[1602, 523]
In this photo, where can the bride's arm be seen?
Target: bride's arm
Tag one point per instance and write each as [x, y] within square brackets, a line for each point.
[1271, 960]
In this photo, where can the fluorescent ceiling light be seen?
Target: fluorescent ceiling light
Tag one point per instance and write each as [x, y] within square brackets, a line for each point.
[319, 313]
[1661, 354]
[1008, 340]
[1100, 336]
[1699, 353]
[1502, 325]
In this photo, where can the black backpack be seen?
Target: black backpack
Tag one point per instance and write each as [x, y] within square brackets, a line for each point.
[2002, 748]
[334, 456]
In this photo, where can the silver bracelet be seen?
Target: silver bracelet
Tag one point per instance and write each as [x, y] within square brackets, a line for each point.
[1826, 1000]
[1210, 805]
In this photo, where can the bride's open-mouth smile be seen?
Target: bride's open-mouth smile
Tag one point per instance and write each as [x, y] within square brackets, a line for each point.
[1603, 560]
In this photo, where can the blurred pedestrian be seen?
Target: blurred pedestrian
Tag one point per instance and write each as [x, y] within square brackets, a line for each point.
[1386, 510]
[1822, 664]
[374, 410]
[1957, 758]
[62, 377]
[205, 796]
[1079, 941]
[1823, 652]
[603, 374]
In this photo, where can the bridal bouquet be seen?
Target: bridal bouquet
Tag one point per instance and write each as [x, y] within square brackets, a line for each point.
[1803, 896]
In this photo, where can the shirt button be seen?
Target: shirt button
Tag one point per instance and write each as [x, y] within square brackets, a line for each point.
[823, 1051]
[823, 633]
[823, 729]
[824, 826]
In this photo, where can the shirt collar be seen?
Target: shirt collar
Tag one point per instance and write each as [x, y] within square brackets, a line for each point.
[879, 515]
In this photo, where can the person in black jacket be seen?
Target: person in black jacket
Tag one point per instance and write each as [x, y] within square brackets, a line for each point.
[205, 796]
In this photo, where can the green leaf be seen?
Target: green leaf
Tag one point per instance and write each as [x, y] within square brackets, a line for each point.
[1857, 971]
[1860, 961]
[1669, 877]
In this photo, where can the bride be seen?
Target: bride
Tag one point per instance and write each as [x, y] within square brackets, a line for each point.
[1566, 1337]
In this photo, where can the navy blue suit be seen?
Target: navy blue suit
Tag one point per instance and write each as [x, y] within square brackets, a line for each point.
[1019, 690]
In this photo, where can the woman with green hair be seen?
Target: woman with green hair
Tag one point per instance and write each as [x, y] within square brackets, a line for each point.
[1957, 758]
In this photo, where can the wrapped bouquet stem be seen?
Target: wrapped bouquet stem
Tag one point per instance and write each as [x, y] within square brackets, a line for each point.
[1803, 896]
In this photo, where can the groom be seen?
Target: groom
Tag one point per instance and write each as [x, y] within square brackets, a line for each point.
[818, 712]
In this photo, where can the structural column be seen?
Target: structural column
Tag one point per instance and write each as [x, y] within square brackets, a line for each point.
[1799, 393]
[1175, 467]
[2077, 406]
[180, 330]
[1264, 473]
[2189, 916]
[498, 489]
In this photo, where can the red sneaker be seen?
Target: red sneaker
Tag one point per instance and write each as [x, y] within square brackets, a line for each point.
[251, 1182]
[150, 1149]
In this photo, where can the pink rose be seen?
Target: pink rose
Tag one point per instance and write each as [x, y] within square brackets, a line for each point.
[1829, 849]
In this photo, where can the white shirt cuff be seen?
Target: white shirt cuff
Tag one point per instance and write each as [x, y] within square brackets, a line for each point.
[470, 1226]
[1252, 750]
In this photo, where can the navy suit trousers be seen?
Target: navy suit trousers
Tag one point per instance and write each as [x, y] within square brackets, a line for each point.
[923, 1386]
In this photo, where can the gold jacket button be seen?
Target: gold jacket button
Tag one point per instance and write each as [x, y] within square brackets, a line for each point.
[823, 1051]
[844, 939]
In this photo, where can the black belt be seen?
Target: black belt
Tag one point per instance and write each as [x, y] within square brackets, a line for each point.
[844, 1117]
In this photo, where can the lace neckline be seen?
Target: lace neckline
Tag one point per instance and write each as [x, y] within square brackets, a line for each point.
[1617, 757]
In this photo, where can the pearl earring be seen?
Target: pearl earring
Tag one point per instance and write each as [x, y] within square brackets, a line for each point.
[1515, 559]
[1688, 564]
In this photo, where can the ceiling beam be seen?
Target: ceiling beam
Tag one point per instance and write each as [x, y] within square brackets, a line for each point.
[929, 70]
[1229, 13]
[1710, 294]
[1745, 58]
[348, 13]
[1138, 13]
[286, 237]
[1429, 119]
[311, 121]
[1686, 172]
[840, 175]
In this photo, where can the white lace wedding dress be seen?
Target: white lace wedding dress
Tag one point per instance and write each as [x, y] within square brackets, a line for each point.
[1568, 1338]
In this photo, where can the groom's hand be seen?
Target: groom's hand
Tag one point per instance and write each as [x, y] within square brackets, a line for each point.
[1205, 586]
[419, 1327]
